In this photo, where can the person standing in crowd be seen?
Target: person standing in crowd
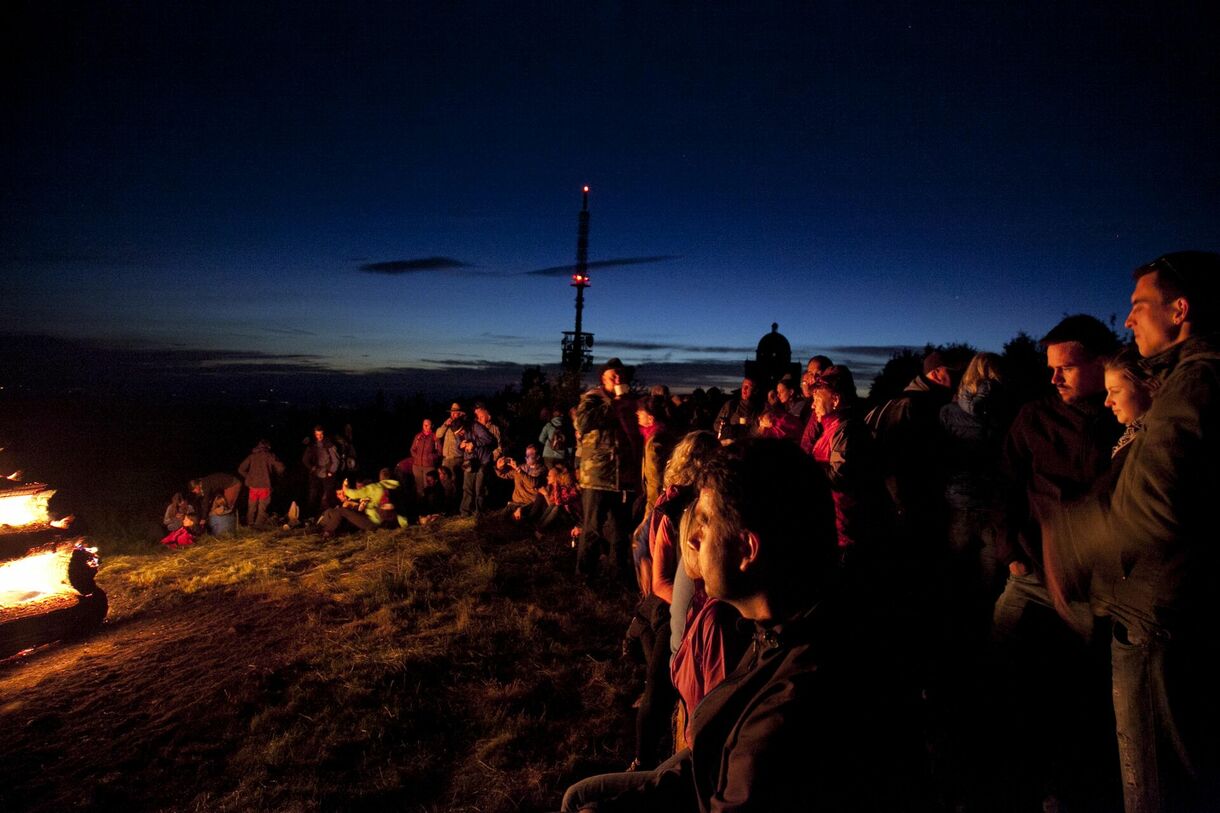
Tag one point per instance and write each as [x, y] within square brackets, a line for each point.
[609, 472]
[1156, 533]
[813, 370]
[847, 453]
[807, 720]
[738, 418]
[424, 456]
[451, 451]
[974, 425]
[477, 445]
[483, 415]
[658, 442]
[1055, 451]
[258, 469]
[554, 440]
[908, 435]
[321, 461]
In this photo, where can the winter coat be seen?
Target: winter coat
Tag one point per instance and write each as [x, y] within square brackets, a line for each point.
[609, 442]
[483, 442]
[1053, 454]
[847, 452]
[259, 466]
[321, 458]
[424, 451]
[907, 430]
[1159, 528]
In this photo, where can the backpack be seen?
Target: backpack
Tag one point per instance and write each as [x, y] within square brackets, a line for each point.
[559, 441]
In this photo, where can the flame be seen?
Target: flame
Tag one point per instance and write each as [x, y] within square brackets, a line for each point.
[18, 510]
[33, 577]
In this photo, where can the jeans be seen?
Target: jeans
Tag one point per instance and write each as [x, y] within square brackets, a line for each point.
[474, 491]
[1165, 710]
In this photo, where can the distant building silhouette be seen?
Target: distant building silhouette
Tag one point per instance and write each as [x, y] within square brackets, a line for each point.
[772, 360]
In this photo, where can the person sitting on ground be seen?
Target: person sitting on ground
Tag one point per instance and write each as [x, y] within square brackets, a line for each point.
[257, 470]
[528, 477]
[559, 501]
[432, 504]
[187, 532]
[175, 511]
[449, 490]
[808, 720]
[366, 507]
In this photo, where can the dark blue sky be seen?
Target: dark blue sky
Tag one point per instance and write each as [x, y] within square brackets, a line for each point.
[210, 179]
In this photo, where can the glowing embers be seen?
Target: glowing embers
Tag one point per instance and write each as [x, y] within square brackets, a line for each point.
[34, 577]
[25, 506]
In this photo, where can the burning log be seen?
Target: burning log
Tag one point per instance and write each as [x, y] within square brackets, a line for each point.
[47, 589]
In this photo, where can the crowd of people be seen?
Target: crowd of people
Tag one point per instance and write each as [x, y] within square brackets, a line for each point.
[953, 600]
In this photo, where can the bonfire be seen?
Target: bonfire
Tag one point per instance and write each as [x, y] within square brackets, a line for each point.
[47, 589]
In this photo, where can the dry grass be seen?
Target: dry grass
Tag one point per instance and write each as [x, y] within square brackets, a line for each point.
[447, 667]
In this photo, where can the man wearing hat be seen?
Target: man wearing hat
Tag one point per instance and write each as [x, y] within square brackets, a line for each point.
[609, 470]
[448, 440]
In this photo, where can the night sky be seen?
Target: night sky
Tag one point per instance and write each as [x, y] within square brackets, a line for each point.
[292, 189]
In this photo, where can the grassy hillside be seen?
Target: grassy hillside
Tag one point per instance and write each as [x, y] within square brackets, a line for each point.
[447, 667]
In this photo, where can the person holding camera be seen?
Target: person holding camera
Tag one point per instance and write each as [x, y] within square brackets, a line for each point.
[528, 477]
[609, 472]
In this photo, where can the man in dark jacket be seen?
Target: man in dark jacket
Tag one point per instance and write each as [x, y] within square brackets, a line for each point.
[1158, 530]
[1057, 447]
[609, 471]
[738, 418]
[321, 460]
[806, 721]
[477, 445]
[907, 429]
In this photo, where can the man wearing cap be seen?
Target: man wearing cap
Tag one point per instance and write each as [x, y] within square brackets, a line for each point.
[1158, 532]
[609, 471]
[448, 441]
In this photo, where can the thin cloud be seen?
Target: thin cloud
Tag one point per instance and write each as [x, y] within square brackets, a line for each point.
[290, 331]
[624, 344]
[881, 350]
[414, 266]
[563, 270]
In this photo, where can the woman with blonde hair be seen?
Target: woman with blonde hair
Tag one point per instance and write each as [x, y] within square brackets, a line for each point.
[656, 705]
